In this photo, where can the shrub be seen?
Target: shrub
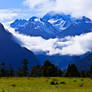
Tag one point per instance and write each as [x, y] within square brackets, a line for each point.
[13, 85]
[53, 83]
[81, 85]
[75, 81]
[63, 82]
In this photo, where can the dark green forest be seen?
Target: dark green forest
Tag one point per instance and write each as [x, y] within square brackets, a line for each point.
[46, 70]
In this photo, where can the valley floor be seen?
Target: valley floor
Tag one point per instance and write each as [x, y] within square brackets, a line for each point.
[45, 85]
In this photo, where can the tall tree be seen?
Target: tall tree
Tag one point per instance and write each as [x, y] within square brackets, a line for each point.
[36, 71]
[25, 67]
[83, 73]
[72, 71]
[11, 71]
[3, 71]
[23, 71]
[90, 71]
[49, 70]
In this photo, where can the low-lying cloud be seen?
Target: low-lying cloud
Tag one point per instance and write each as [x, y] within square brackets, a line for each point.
[75, 7]
[77, 45]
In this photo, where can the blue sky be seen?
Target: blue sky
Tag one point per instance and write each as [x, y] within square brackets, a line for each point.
[11, 4]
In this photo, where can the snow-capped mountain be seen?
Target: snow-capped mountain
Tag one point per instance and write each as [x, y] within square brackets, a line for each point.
[79, 26]
[18, 23]
[12, 53]
[59, 20]
[36, 27]
[53, 25]
[67, 25]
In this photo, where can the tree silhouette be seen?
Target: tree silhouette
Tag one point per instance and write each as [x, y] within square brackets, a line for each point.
[36, 71]
[11, 71]
[72, 71]
[23, 71]
[49, 70]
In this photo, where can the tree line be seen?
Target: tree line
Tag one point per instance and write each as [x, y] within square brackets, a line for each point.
[46, 70]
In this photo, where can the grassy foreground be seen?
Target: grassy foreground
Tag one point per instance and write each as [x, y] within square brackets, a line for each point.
[45, 85]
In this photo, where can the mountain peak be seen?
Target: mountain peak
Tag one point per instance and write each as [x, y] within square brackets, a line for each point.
[56, 15]
[86, 19]
[33, 18]
[17, 23]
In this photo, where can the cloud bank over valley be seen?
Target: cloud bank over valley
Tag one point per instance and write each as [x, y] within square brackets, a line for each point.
[77, 45]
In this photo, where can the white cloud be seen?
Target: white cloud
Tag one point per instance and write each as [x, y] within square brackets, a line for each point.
[32, 3]
[77, 45]
[40, 6]
[75, 7]
[7, 14]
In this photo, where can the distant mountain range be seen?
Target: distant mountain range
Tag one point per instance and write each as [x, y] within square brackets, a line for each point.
[57, 25]
[35, 27]
[12, 53]
[53, 25]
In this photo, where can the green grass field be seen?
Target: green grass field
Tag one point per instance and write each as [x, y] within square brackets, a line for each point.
[45, 85]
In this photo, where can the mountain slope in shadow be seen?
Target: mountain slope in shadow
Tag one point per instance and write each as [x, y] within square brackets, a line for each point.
[12, 53]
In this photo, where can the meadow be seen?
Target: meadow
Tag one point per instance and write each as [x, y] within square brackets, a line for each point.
[51, 84]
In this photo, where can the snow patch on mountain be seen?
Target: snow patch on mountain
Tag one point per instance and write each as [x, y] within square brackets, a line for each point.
[52, 21]
[37, 19]
[59, 23]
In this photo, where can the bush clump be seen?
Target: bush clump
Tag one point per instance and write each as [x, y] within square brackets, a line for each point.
[54, 83]
[81, 85]
[13, 85]
[63, 82]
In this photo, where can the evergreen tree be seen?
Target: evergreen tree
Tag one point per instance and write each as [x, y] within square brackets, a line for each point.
[90, 71]
[72, 71]
[11, 71]
[25, 67]
[2, 64]
[68, 71]
[36, 71]
[83, 73]
[3, 71]
[23, 71]
[49, 70]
